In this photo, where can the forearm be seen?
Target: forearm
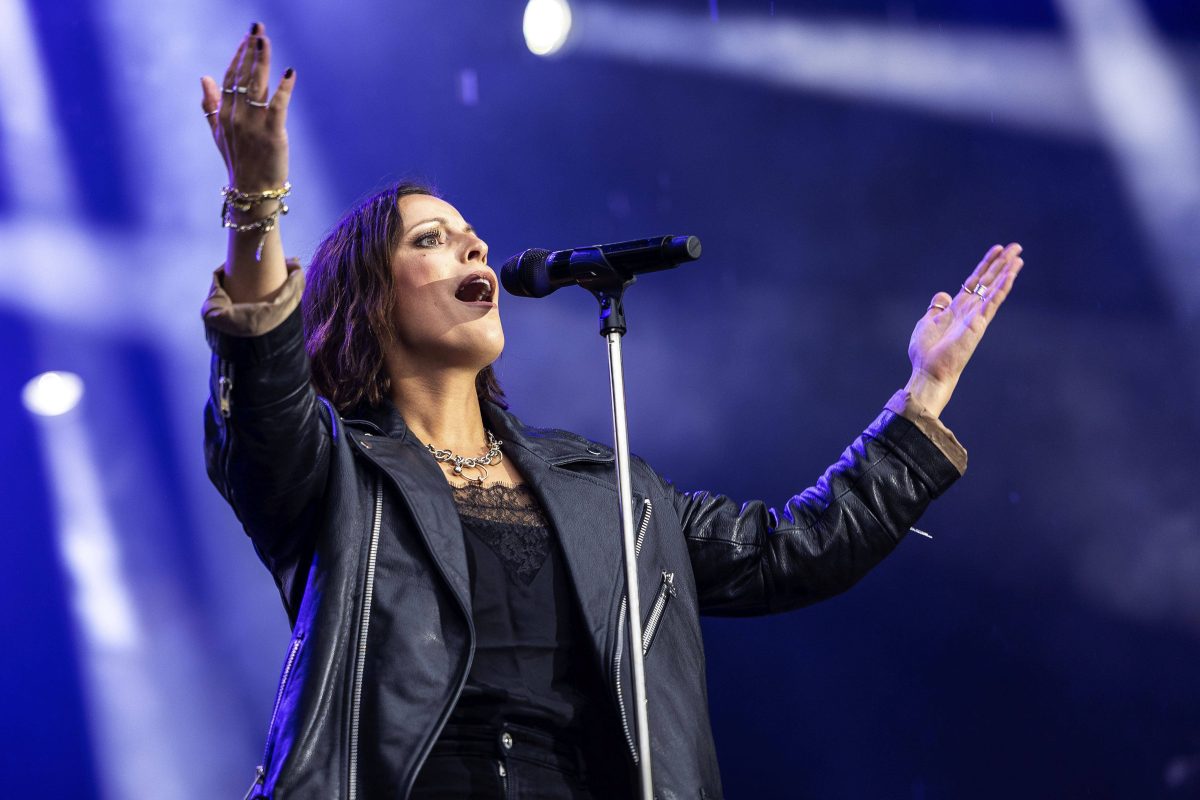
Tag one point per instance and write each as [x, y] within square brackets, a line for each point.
[251, 277]
[750, 559]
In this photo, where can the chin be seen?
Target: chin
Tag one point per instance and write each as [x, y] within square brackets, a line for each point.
[495, 338]
[487, 348]
[495, 351]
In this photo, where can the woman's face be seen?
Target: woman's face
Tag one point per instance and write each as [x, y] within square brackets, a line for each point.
[446, 312]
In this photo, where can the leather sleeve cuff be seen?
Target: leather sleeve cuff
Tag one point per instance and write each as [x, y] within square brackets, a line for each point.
[903, 404]
[220, 313]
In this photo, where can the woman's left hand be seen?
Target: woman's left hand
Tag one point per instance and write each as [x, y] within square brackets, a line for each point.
[950, 330]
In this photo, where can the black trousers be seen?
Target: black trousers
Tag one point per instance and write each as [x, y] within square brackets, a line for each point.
[504, 761]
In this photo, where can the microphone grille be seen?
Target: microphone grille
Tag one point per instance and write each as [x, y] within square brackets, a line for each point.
[524, 275]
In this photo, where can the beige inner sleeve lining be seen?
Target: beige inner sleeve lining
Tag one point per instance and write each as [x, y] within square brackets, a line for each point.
[252, 319]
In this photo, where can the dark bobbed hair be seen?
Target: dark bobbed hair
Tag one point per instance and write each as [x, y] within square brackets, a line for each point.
[349, 301]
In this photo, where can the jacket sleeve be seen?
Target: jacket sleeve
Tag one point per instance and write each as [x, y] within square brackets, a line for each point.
[751, 559]
[267, 436]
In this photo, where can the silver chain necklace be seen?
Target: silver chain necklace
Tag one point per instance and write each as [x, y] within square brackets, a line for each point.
[492, 456]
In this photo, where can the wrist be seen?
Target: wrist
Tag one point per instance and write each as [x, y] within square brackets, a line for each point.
[932, 394]
[254, 183]
[255, 212]
[269, 205]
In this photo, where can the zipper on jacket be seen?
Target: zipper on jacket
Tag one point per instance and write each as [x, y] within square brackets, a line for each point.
[223, 397]
[665, 592]
[363, 629]
[647, 510]
[225, 388]
[259, 775]
[261, 770]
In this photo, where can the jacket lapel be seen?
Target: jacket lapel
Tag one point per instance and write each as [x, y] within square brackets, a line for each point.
[426, 492]
[583, 510]
[581, 507]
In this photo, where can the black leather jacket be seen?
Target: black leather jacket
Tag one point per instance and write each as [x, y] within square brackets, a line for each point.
[358, 527]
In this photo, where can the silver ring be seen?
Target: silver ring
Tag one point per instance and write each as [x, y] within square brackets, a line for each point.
[979, 291]
[228, 90]
[211, 113]
[256, 103]
[938, 306]
[241, 89]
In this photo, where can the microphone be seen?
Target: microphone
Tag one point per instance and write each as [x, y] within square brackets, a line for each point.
[537, 273]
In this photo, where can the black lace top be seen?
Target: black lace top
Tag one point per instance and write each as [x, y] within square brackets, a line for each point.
[532, 663]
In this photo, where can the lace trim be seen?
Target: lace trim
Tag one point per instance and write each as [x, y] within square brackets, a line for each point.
[498, 502]
[509, 520]
[521, 549]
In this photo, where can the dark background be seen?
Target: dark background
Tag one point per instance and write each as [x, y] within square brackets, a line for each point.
[1045, 643]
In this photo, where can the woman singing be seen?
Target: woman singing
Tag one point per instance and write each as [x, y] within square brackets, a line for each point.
[453, 577]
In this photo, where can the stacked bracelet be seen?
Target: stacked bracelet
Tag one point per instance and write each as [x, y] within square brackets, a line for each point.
[234, 200]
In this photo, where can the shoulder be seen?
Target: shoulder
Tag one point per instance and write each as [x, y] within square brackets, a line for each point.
[561, 447]
[551, 443]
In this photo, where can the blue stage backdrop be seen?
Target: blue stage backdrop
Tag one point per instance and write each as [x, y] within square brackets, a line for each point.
[841, 160]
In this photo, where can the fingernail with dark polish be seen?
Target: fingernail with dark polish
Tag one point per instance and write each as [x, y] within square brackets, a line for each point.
[258, 44]
[288, 72]
[253, 28]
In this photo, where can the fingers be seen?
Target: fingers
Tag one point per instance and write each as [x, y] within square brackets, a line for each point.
[210, 101]
[1003, 284]
[277, 113]
[940, 302]
[984, 277]
[225, 116]
[990, 276]
[245, 68]
[260, 69]
[988, 259]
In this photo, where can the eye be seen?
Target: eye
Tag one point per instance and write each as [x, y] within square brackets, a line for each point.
[429, 239]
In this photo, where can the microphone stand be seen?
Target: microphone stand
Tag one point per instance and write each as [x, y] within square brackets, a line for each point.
[596, 269]
[609, 288]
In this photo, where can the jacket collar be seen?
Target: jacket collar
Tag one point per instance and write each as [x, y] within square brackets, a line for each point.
[382, 419]
[555, 447]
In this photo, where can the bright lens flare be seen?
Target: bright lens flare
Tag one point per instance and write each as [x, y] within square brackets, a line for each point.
[547, 24]
[52, 394]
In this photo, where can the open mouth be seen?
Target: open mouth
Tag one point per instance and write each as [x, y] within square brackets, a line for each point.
[477, 288]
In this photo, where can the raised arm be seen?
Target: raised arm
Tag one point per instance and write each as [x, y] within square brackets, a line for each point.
[752, 559]
[267, 435]
[250, 131]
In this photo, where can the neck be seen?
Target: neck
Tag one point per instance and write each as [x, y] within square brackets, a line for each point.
[443, 410]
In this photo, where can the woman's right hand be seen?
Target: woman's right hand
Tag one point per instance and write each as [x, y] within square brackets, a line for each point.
[252, 138]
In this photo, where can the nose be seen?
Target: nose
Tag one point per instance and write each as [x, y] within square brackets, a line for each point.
[477, 250]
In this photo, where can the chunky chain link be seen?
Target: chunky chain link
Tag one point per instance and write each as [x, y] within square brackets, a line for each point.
[235, 200]
[478, 463]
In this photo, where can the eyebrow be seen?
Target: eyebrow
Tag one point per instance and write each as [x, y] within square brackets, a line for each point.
[441, 220]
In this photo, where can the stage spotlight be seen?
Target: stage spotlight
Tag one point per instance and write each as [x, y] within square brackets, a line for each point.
[52, 394]
[547, 24]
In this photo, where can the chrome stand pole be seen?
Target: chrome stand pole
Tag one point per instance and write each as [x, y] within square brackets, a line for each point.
[616, 373]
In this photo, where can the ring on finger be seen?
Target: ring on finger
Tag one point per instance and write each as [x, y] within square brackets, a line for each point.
[979, 291]
[228, 90]
[241, 89]
[257, 103]
[938, 306]
[212, 113]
